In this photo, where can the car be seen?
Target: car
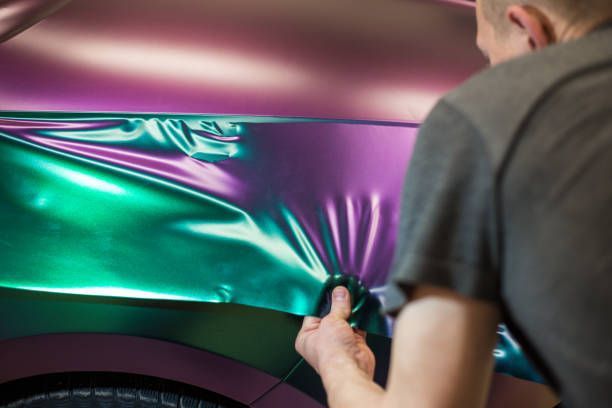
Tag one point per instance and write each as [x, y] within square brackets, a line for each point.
[183, 180]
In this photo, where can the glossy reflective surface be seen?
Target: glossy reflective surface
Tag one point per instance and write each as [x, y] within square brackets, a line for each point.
[375, 60]
[264, 212]
[254, 211]
[192, 209]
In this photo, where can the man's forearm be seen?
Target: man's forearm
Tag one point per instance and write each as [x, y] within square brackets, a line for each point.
[348, 386]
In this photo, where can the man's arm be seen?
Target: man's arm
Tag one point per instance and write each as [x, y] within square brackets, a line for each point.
[442, 353]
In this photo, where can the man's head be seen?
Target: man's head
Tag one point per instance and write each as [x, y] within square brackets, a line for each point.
[510, 28]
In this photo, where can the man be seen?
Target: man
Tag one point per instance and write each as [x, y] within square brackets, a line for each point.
[507, 215]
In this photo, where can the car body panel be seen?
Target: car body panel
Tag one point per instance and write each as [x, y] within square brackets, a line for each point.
[200, 173]
[260, 212]
[196, 210]
[385, 60]
[86, 352]
[219, 328]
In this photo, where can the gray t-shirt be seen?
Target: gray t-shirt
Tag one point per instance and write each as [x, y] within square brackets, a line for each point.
[508, 199]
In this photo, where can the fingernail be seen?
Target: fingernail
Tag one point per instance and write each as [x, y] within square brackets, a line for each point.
[340, 293]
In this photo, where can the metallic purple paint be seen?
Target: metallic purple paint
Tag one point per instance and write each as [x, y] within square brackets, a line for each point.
[18, 15]
[383, 60]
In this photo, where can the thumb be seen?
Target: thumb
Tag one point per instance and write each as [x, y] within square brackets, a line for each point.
[341, 303]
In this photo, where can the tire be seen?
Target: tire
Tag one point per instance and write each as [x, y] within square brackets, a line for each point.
[106, 390]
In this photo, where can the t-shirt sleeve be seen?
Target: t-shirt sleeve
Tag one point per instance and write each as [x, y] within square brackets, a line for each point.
[446, 234]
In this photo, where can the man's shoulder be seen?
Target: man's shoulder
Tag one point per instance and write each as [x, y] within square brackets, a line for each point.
[498, 100]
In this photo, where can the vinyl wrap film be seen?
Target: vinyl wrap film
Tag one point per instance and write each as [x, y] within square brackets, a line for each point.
[264, 212]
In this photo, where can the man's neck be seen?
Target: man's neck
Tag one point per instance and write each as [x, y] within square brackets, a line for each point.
[569, 32]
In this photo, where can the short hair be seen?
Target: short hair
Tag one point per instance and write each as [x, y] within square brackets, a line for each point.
[571, 10]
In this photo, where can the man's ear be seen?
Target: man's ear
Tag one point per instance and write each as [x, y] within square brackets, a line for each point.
[533, 24]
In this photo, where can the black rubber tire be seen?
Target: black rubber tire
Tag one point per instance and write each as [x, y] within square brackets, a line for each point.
[106, 390]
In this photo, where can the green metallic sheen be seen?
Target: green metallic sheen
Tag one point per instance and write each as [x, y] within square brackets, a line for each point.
[219, 328]
[75, 226]
[154, 226]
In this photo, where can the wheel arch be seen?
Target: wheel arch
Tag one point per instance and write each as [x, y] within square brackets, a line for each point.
[93, 352]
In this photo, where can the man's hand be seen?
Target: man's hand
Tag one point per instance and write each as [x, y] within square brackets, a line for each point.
[330, 343]
[441, 355]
